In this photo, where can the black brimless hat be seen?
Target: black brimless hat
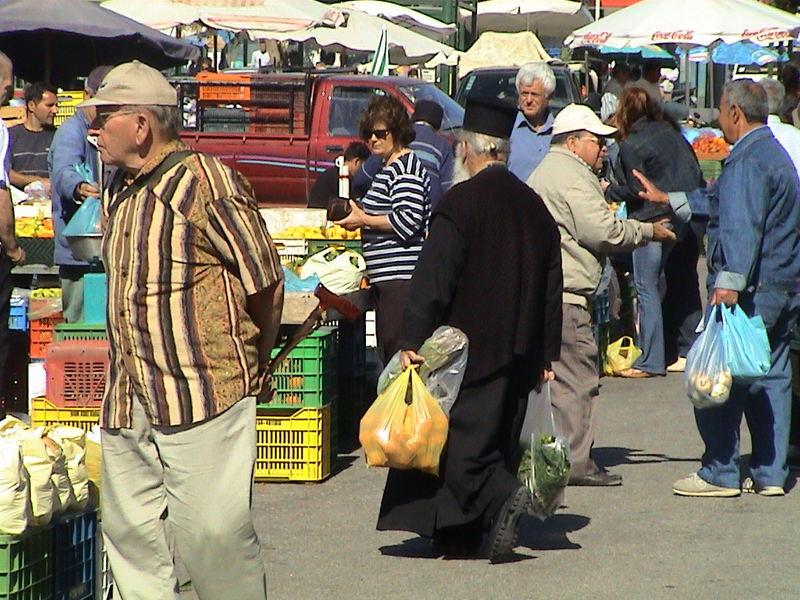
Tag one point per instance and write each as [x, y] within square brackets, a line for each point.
[489, 116]
[428, 111]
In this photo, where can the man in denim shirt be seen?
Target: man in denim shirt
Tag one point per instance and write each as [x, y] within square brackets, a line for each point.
[753, 245]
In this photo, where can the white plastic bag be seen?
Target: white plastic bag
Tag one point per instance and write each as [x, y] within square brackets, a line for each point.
[341, 271]
[14, 508]
[445, 353]
[65, 497]
[73, 442]
[40, 473]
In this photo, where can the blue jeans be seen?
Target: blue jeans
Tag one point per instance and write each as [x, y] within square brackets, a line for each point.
[648, 264]
[765, 404]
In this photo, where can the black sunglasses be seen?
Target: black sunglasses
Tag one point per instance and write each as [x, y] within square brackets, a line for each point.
[381, 134]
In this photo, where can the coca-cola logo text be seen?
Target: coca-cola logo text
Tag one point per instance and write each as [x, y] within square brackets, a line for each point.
[596, 38]
[682, 35]
[767, 34]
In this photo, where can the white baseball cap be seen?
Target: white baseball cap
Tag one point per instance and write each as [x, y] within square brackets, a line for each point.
[577, 117]
[134, 83]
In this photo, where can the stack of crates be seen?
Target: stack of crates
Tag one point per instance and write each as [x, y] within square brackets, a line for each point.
[26, 565]
[295, 435]
[67, 105]
[42, 330]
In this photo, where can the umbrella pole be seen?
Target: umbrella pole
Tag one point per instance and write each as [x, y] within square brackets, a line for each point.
[216, 51]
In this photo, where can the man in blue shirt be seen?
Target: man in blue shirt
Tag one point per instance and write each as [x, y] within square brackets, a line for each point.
[754, 263]
[533, 129]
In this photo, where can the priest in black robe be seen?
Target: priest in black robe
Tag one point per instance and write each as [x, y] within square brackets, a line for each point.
[491, 267]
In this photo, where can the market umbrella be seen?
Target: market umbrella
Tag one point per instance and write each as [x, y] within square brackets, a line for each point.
[402, 15]
[380, 62]
[548, 18]
[494, 49]
[361, 32]
[689, 22]
[58, 40]
[743, 53]
[233, 15]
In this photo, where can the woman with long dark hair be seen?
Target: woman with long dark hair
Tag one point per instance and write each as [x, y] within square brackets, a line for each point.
[652, 144]
[393, 215]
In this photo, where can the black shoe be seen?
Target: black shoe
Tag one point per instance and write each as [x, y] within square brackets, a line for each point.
[503, 535]
[600, 478]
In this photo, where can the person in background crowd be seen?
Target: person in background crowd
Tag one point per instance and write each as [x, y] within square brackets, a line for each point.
[651, 75]
[71, 158]
[654, 146]
[394, 217]
[260, 57]
[30, 141]
[433, 149]
[513, 338]
[11, 253]
[326, 186]
[790, 77]
[788, 136]
[567, 182]
[753, 244]
[620, 76]
[180, 229]
[530, 139]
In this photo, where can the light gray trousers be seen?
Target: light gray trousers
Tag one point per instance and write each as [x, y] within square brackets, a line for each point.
[192, 484]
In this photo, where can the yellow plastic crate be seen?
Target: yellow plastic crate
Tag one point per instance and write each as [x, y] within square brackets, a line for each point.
[293, 445]
[46, 413]
[67, 103]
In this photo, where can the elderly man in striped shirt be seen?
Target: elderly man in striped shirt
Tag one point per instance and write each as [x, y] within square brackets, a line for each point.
[194, 301]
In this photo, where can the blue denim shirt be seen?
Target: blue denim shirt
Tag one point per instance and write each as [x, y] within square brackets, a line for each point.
[69, 148]
[528, 146]
[754, 217]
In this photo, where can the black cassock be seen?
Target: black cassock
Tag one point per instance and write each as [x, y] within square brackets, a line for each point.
[491, 266]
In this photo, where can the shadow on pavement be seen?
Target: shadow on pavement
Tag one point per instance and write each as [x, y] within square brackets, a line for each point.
[342, 463]
[421, 547]
[551, 534]
[612, 456]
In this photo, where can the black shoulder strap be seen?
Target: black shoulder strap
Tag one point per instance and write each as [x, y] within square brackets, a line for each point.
[154, 175]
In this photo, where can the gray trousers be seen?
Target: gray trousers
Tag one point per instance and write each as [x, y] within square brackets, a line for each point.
[189, 484]
[576, 387]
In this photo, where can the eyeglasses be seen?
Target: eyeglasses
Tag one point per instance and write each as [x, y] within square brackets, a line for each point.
[380, 134]
[601, 142]
[104, 117]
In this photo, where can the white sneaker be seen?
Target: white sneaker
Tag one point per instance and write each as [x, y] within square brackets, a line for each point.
[678, 366]
[751, 487]
[694, 485]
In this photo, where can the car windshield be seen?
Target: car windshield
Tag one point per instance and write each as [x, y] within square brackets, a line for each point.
[453, 113]
[502, 85]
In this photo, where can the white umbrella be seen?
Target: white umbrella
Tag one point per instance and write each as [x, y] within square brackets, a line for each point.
[232, 15]
[401, 15]
[549, 18]
[380, 63]
[361, 33]
[495, 49]
[689, 22]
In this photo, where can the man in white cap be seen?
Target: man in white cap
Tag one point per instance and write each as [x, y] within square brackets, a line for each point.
[567, 181]
[195, 294]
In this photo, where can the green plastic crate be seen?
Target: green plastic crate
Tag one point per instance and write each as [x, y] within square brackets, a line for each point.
[80, 331]
[307, 377]
[26, 565]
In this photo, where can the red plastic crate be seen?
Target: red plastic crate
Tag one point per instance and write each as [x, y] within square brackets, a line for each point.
[42, 333]
[217, 87]
[76, 373]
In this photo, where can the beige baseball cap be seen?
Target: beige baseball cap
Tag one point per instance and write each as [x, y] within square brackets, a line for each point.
[134, 83]
[577, 117]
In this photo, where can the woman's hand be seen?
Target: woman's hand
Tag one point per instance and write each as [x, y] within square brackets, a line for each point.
[356, 218]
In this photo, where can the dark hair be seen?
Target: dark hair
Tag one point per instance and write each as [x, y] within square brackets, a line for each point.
[33, 92]
[649, 67]
[356, 150]
[391, 112]
[621, 68]
[634, 104]
[790, 77]
[750, 97]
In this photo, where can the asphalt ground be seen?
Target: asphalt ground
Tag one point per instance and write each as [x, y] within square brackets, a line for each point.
[636, 541]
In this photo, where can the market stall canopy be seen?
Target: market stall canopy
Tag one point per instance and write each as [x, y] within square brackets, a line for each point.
[690, 22]
[402, 15]
[552, 19]
[361, 32]
[58, 40]
[494, 49]
[738, 53]
[232, 15]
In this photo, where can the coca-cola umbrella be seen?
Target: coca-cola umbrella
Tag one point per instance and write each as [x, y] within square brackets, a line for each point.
[58, 40]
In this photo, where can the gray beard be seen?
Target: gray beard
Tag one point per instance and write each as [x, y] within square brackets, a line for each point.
[460, 172]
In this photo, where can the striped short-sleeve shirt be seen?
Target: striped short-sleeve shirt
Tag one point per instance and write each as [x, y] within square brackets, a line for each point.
[401, 192]
[182, 255]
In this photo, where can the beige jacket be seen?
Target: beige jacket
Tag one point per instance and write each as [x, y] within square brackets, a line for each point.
[589, 230]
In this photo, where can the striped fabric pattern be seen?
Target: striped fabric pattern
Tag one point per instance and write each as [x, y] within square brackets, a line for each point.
[181, 257]
[401, 191]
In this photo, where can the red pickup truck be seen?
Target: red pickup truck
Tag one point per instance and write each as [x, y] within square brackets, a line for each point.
[282, 130]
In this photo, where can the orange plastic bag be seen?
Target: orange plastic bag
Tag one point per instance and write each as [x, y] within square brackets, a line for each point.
[405, 428]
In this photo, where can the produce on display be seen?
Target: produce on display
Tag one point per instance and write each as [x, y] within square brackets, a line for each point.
[710, 146]
[306, 232]
[33, 227]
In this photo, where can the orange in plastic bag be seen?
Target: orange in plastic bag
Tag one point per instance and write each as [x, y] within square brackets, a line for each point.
[405, 428]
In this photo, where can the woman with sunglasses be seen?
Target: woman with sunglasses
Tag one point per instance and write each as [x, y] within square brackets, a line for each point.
[653, 144]
[393, 215]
